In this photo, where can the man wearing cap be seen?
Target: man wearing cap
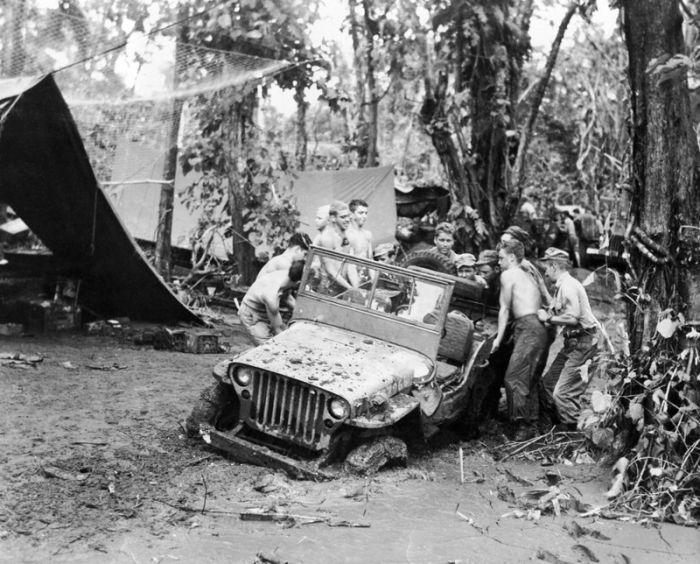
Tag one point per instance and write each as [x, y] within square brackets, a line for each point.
[520, 301]
[384, 252]
[334, 237]
[487, 264]
[297, 248]
[466, 266]
[571, 311]
[489, 271]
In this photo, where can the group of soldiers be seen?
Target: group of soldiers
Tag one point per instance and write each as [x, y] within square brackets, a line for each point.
[528, 320]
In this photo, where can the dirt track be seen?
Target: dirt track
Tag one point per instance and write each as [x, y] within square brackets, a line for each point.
[94, 467]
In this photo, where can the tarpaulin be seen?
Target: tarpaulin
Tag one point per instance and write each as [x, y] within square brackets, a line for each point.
[137, 203]
[46, 177]
[374, 185]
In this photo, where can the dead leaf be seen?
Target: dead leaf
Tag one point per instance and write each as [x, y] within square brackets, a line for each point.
[600, 402]
[602, 437]
[54, 472]
[667, 327]
[344, 523]
[585, 553]
[505, 494]
[517, 479]
[550, 557]
[618, 482]
[577, 531]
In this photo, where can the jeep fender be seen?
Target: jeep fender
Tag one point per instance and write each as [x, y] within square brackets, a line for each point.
[429, 397]
[220, 371]
[395, 409]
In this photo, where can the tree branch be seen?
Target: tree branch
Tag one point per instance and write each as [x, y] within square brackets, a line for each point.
[518, 172]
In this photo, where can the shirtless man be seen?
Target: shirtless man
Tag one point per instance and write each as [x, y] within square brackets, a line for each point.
[359, 237]
[334, 236]
[321, 221]
[260, 307]
[515, 233]
[520, 301]
[297, 248]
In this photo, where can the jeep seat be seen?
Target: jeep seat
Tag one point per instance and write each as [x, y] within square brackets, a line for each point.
[456, 341]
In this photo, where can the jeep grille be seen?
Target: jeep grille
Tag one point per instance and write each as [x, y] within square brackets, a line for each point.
[288, 409]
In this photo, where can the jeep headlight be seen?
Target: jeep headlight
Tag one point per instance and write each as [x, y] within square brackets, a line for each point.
[422, 374]
[243, 376]
[338, 408]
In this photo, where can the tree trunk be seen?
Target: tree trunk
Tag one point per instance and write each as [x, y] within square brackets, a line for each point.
[665, 191]
[302, 141]
[242, 249]
[360, 133]
[435, 121]
[488, 64]
[163, 257]
[373, 98]
[241, 136]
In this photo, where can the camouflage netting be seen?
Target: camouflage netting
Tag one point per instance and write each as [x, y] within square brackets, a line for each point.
[119, 81]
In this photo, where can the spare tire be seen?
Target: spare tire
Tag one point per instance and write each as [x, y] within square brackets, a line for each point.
[429, 259]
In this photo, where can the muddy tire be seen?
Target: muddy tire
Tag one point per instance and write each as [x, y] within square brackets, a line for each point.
[369, 457]
[429, 259]
[217, 407]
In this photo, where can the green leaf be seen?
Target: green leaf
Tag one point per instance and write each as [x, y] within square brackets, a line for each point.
[635, 412]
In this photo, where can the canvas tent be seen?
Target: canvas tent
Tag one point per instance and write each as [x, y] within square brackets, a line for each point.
[137, 203]
[46, 177]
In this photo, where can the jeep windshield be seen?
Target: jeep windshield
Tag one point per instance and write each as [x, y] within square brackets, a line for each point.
[383, 301]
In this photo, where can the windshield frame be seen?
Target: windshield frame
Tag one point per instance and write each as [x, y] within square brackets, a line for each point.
[413, 333]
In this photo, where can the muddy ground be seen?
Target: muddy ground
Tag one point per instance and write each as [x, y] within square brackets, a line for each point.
[95, 467]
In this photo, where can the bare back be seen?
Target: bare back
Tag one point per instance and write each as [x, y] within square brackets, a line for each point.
[279, 262]
[263, 294]
[519, 293]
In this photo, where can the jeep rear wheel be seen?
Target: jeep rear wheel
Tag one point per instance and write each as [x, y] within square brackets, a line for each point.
[429, 259]
[217, 407]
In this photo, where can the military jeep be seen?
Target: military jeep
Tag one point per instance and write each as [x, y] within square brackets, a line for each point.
[396, 353]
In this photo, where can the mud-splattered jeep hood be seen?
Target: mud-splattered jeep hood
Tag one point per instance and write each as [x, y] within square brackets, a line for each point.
[342, 362]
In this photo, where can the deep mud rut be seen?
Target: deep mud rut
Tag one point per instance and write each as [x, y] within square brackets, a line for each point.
[94, 467]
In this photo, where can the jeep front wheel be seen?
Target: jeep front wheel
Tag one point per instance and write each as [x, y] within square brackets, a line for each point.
[217, 407]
